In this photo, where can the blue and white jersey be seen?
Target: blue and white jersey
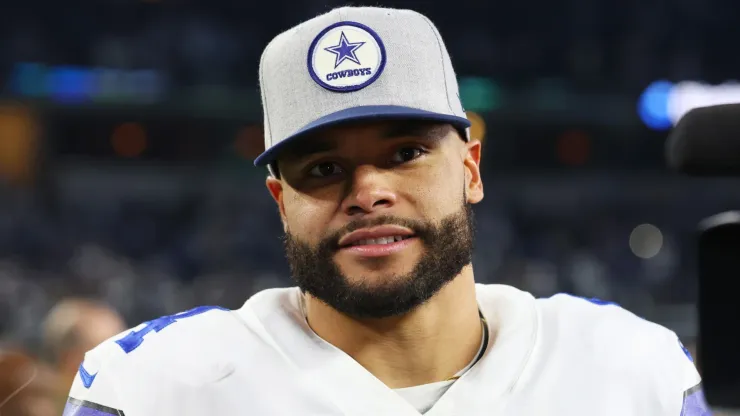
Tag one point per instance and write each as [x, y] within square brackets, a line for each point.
[561, 356]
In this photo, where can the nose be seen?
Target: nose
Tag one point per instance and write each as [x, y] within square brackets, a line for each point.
[369, 191]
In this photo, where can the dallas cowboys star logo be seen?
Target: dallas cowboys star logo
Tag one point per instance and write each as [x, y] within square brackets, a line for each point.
[345, 50]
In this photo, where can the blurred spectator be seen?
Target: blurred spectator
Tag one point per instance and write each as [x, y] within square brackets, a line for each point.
[26, 386]
[73, 327]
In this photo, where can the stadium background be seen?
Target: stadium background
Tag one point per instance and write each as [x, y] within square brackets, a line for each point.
[128, 128]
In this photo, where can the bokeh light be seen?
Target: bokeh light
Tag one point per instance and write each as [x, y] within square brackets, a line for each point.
[646, 241]
[574, 148]
[477, 126]
[129, 140]
[249, 142]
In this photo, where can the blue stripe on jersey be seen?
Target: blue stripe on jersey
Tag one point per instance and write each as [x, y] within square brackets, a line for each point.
[595, 301]
[686, 351]
[694, 403]
[75, 407]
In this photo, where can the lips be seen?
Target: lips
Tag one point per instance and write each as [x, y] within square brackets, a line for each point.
[385, 234]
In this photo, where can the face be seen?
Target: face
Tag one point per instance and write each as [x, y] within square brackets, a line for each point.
[378, 216]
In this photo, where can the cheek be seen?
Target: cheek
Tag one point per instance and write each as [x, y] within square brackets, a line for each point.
[307, 218]
[437, 191]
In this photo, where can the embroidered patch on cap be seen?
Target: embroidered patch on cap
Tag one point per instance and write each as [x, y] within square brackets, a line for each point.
[346, 56]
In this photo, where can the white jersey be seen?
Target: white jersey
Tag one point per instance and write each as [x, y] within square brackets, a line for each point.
[560, 356]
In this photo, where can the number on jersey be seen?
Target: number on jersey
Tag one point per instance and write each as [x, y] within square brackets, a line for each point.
[134, 338]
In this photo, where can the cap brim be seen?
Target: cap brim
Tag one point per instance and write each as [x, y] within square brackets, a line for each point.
[364, 113]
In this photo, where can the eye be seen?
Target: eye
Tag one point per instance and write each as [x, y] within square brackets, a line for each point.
[325, 169]
[407, 154]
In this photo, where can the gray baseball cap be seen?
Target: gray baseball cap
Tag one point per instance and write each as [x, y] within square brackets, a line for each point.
[353, 64]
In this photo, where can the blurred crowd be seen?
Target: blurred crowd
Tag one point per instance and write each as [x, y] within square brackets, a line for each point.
[606, 43]
[37, 385]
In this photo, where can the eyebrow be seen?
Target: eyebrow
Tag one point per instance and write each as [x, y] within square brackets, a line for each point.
[311, 144]
[307, 147]
[417, 129]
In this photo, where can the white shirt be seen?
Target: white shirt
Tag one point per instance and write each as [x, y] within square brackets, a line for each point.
[561, 356]
[425, 396]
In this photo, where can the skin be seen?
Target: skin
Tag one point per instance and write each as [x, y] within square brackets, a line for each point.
[26, 386]
[90, 324]
[364, 171]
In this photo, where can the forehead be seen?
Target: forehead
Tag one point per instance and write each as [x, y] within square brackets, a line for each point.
[332, 138]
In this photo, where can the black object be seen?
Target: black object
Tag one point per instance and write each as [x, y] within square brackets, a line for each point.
[718, 349]
[706, 142]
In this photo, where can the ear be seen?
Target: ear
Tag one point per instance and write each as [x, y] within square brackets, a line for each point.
[275, 186]
[473, 182]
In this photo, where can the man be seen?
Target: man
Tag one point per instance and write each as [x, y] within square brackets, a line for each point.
[26, 386]
[71, 328]
[374, 176]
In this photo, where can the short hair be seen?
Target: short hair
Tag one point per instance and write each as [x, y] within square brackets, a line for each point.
[61, 330]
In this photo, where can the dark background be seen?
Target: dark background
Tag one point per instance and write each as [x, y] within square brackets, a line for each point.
[128, 128]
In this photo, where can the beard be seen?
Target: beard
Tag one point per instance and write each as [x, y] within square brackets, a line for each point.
[448, 248]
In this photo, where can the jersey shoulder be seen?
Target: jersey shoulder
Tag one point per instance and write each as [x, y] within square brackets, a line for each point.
[618, 345]
[170, 339]
[590, 316]
[185, 347]
[607, 328]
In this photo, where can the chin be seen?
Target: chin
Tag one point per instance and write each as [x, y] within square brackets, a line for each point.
[375, 272]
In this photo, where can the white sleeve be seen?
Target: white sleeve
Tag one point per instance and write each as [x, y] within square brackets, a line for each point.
[675, 378]
[95, 390]
[149, 370]
[125, 385]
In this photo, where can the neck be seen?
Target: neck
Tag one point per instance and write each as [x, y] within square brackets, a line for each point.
[431, 343]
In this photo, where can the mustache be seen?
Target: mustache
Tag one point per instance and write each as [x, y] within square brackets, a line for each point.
[419, 228]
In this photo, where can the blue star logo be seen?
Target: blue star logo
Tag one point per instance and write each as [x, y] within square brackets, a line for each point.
[345, 51]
